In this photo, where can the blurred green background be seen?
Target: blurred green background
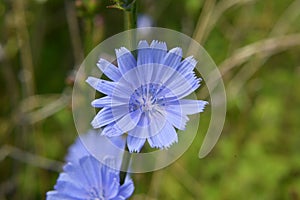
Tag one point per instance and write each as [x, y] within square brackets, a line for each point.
[256, 45]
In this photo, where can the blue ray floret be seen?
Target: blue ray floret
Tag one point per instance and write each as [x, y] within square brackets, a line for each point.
[145, 97]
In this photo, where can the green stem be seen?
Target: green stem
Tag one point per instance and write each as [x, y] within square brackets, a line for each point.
[125, 164]
[130, 23]
[131, 17]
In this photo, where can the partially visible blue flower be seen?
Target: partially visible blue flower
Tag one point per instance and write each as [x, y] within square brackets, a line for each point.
[145, 96]
[93, 143]
[91, 180]
[144, 20]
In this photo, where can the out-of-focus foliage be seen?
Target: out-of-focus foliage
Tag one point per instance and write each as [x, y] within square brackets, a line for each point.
[257, 157]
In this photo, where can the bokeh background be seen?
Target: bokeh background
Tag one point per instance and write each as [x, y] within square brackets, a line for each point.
[256, 45]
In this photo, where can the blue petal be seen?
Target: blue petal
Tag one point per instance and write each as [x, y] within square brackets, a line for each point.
[111, 130]
[181, 86]
[118, 91]
[165, 138]
[187, 65]
[119, 142]
[108, 115]
[102, 102]
[110, 178]
[109, 69]
[146, 125]
[132, 79]
[75, 174]
[71, 189]
[129, 121]
[55, 195]
[125, 60]
[190, 107]
[157, 122]
[161, 74]
[150, 124]
[173, 58]
[192, 78]
[125, 124]
[103, 86]
[145, 65]
[108, 168]
[126, 189]
[90, 168]
[159, 51]
[144, 53]
[135, 144]
[112, 188]
[64, 177]
[143, 75]
[144, 120]
[108, 101]
[176, 116]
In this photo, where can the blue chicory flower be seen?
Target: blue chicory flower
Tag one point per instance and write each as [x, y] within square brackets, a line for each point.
[85, 177]
[145, 96]
[91, 180]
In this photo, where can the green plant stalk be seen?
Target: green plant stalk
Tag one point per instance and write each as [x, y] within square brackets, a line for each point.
[125, 164]
[130, 17]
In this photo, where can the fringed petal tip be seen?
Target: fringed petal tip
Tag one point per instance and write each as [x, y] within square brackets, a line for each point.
[163, 146]
[201, 105]
[135, 144]
[205, 103]
[165, 138]
[191, 60]
[155, 44]
[92, 81]
[176, 51]
[134, 150]
[143, 44]
[102, 64]
[110, 70]
[95, 124]
[121, 51]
